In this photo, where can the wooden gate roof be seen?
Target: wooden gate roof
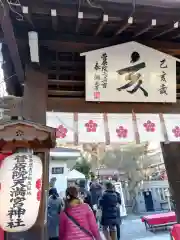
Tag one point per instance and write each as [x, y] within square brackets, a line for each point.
[68, 27]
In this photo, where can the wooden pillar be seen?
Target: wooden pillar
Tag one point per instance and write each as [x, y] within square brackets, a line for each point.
[35, 96]
[171, 154]
[34, 109]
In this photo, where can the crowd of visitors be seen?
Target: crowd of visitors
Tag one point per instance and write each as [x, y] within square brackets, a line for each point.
[83, 214]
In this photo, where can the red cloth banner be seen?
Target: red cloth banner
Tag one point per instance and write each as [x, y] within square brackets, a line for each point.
[162, 218]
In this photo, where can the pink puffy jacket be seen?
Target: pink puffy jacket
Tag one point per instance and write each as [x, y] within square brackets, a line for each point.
[85, 217]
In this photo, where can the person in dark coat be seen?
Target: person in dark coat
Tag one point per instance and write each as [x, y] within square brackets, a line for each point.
[54, 209]
[108, 204]
[96, 192]
[118, 214]
[84, 193]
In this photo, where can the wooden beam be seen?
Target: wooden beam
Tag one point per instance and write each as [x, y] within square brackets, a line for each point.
[124, 26]
[47, 38]
[64, 46]
[66, 82]
[63, 93]
[171, 48]
[76, 73]
[10, 40]
[35, 110]
[175, 26]
[74, 43]
[54, 19]
[177, 79]
[64, 63]
[36, 87]
[176, 37]
[116, 8]
[83, 43]
[70, 11]
[102, 23]
[146, 29]
[80, 105]
[14, 106]
[56, 40]
[79, 21]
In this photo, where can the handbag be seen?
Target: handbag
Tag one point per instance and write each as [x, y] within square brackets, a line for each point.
[88, 233]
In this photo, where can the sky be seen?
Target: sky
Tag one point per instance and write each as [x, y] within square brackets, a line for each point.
[2, 82]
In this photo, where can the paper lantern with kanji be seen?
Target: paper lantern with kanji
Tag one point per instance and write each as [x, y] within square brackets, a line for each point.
[20, 191]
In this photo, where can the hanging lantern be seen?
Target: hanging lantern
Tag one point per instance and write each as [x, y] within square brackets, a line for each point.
[20, 191]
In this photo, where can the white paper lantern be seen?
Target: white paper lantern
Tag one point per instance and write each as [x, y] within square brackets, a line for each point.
[20, 191]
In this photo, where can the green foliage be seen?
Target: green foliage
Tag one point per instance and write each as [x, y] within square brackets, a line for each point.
[92, 175]
[83, 166]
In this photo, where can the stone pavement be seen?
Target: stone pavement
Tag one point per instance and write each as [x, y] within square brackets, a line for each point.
[133, 229]
[157, 237]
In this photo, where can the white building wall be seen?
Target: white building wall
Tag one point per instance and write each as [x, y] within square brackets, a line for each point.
[61, 183]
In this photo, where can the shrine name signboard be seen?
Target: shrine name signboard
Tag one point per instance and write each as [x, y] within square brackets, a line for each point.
[130, 72]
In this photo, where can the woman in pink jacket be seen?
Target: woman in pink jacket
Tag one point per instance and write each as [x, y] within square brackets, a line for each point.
[77, 221]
